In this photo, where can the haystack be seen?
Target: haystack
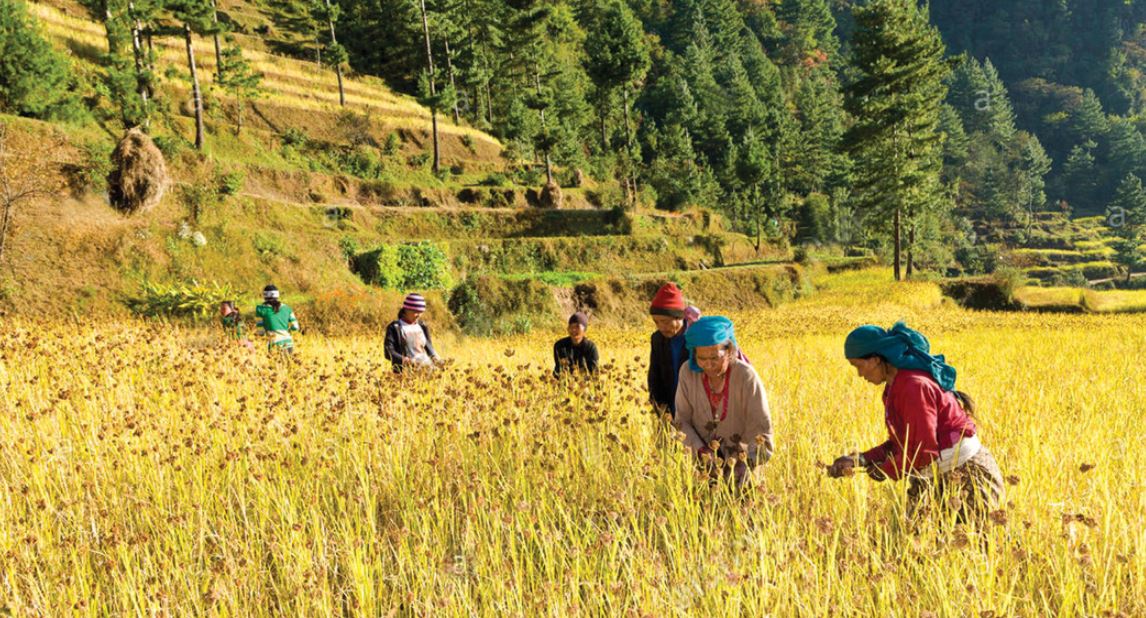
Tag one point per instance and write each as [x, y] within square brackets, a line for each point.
[551, 195]
[138, 178]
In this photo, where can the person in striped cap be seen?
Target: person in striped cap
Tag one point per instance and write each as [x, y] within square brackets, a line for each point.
[408, 342]
[276, 321]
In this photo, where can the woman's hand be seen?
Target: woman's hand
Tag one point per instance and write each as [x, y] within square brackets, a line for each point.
[843, 466]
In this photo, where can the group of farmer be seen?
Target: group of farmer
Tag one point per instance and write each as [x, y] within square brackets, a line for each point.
[700, 377]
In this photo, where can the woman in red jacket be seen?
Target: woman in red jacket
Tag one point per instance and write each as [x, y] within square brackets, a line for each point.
[932, 439]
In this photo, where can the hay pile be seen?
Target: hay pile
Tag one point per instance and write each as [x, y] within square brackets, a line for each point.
[551, 196]
[138, 178]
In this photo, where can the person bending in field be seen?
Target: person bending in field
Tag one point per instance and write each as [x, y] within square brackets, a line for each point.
[932, 439]
[276, 321]
[672, 316]
[721, 406]
[575, 353]
[408, 343]
[232, 322]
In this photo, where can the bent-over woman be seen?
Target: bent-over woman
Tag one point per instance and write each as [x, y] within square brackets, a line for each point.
[721, 406]
[932, 439]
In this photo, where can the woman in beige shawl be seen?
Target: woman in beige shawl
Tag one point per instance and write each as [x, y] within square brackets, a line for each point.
[721, 407]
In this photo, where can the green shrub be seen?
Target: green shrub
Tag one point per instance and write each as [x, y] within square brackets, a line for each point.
[349, 247]
[170, 145]
[229, 183]
[380, 267]
[268, 244]
[393, 143]
[294, 137]
[409, 266]
[360, 162]
[488, 305]
[424, 266]
[91, 175]
[419, 160]
[190, 299]
[495, 179]
[198, 198]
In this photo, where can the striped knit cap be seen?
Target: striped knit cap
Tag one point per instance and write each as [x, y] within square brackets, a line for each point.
[415, 303]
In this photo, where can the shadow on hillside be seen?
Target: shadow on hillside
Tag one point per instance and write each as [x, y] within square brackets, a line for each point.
[270, 123]
[87, 51]
[289, 18]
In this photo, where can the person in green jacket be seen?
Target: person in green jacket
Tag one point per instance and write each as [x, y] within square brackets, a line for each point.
[276, 321]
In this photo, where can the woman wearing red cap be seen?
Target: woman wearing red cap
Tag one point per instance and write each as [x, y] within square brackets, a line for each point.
[408, 342]
[672, 315]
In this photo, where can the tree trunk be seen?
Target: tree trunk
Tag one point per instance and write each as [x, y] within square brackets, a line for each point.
[215, 36]
[898, 243]
[911, 250]
[5, 222]
[150, 51]
[433, 89]
[137, 50]
[544, 129]
[337, 67]
[453, 84]
[759, 228]
[488, 103]
[604, 133]
[631, 168]
[195, 92]
[898, 204]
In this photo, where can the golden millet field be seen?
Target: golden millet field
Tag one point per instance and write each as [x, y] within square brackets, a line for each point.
[155, 472]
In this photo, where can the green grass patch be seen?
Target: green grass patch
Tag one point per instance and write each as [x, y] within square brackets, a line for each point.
[554, 278]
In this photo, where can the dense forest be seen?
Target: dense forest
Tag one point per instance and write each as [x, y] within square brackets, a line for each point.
[891, 125]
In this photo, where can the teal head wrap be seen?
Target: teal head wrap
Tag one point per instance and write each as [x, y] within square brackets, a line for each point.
[903, 348]
[709, 330]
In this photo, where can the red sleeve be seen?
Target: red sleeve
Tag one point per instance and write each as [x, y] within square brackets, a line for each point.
[879, 453]
[915, 430]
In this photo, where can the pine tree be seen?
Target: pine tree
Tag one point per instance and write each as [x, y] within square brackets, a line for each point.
[1034, 164]
[1127, 149]
[327, 14]
[1000, 115]
[197, 17]
[429, 86]
[758, 174]
[34, 79]
[239, 79]
[1126, 215]
[981, 98]
[1081, 176]
[617, 60]
[1088, 121]
[818, 161]
[895, 141]
[809, 30]
[128, 82]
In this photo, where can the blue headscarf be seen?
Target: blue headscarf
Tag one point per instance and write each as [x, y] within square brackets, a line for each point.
[903, 347]
[709, 330]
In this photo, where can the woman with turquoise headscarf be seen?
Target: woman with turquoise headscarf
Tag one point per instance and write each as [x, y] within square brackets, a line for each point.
[932, 439]
[721, 406]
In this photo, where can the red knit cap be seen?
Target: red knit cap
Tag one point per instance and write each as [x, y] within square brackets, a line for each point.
[669, 301]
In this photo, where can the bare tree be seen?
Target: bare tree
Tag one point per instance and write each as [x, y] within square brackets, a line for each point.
[25, 174]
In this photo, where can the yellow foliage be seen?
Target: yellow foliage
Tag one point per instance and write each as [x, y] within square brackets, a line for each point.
[166, 472]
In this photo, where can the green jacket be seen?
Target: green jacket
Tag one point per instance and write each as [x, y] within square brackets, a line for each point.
[277, 324]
